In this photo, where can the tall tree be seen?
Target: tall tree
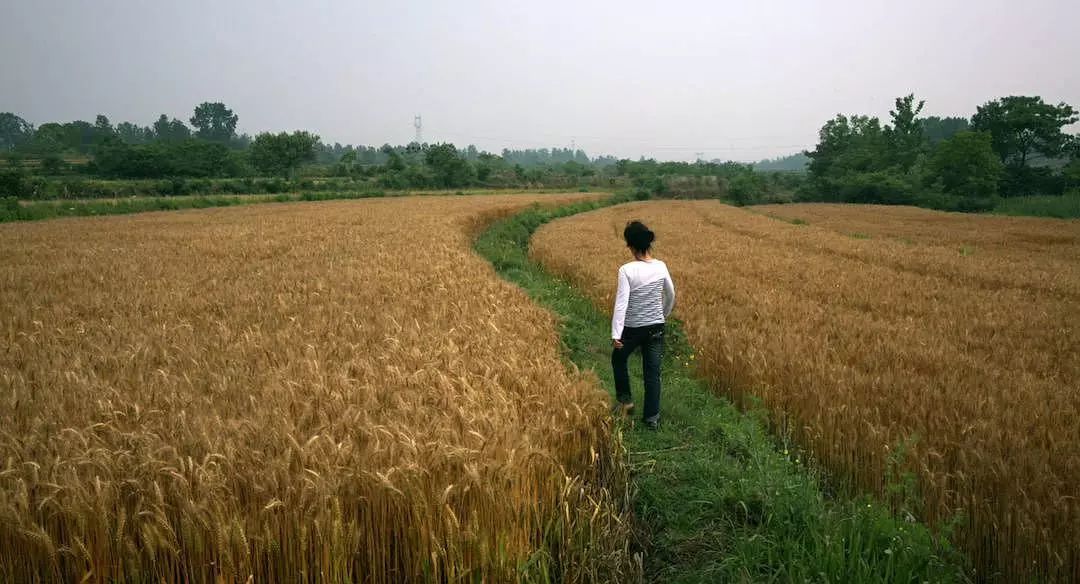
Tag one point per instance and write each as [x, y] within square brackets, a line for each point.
[282, 153]
[102, 125]
[905, 135]
[14, 131]
[449, 167]
[936, 129]
[170, 131]
[849, 144]
[1024, 125]
[1072, 170]
[131, 133]
[50, 138]
[215, 122]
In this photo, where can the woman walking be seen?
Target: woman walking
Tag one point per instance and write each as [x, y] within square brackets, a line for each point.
[643, 300]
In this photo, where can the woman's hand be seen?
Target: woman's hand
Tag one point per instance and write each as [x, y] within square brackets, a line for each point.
[616, 343]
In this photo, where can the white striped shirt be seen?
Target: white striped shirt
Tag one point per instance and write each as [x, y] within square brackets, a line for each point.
[645, 295]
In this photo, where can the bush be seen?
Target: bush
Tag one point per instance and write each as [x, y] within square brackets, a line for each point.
[10, 210]
[1030, 181]
[745, 188]
[1065, 206]
[13, 184]
[966, 165]
[188, 158]
[880, 188]
[274, 185]
[52, 164]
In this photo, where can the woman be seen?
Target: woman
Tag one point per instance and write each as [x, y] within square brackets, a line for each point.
[643, 301]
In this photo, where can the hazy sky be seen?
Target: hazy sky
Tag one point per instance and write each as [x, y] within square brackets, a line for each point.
[734, 80]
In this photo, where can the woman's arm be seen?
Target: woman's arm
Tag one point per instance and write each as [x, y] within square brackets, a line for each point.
[622, 299]
[669, 294]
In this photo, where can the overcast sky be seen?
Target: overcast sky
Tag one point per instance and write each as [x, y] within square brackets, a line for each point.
[735, 80]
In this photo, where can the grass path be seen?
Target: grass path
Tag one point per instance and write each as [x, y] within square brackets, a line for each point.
[717, 497]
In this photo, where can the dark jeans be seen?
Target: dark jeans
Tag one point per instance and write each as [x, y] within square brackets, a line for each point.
[651, 341]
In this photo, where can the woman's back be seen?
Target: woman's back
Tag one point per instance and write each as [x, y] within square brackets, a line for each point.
[643, 301]
[645, 294]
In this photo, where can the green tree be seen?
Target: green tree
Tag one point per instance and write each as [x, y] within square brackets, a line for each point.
[1071, 171]
[103, 126]
[966, 165]
[856, 161]
[486, 165]
[119, 160]
[14, 131]
[348, 161]
[937, 129]
[52, 164]
[174, 130]
[395, 162]
[215, 122]
[448, 167]
[13, 183]
[905, 136]
[282, 153]
[1021, 126]
[50, 138]
[849, 144]
[131, 133]
[199, 158]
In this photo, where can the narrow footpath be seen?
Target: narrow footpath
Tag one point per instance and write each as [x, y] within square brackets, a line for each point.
[717, 498]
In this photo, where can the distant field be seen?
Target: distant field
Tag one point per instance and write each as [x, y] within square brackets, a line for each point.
[338, 392]
[16, 210]
[890, 343]
[271, 196]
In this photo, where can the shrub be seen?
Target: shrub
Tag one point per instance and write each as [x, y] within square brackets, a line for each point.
[13, 184]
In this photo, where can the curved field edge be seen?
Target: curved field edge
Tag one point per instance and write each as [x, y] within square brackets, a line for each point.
[248, 394]
[13, 209]
[714, 496]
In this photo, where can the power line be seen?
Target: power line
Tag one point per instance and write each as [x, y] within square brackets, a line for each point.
[694, 149]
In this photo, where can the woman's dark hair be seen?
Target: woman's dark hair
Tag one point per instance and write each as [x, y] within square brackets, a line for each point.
[638, 237]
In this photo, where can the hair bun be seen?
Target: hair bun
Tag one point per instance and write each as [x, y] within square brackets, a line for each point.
[638, 236]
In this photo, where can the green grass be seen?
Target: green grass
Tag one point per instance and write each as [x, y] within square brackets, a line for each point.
[719, 499]
[1062, 207]
[793, 221]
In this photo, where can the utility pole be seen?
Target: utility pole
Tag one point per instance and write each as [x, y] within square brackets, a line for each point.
[418, 124]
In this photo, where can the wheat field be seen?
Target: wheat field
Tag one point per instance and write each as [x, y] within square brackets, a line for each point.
[329, 392]
[930, 358]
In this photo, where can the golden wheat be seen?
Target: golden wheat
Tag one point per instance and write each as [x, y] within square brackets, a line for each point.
[304, 392]
[872, 327]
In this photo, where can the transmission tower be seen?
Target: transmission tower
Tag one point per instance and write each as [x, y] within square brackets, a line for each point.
[418, 124]
[699, 156]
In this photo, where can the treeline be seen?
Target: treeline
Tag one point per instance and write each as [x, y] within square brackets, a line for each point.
[530, 158]
[446, 166]
[794, 163]
[1011, 147]
[79, 159]
[733, 181]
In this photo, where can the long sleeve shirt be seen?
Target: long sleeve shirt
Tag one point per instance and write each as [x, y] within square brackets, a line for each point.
[645, 295]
